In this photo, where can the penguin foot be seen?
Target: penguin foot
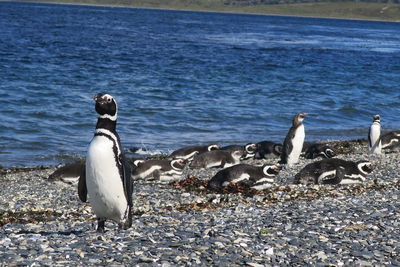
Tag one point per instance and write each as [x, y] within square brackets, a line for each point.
[101, 225]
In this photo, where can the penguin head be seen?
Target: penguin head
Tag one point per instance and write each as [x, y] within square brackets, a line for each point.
[178, 164]
[213, 147]
[106, 106]
[376, 118]
[271, 170]
[327, 152]
[138, 162]
[298, 118]
[250, 148]
[238, 154]
[364, 167]
[277, 149]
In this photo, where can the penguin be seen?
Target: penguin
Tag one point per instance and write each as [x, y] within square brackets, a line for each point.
[249, 149]
[255, 177]
[187, 153]
[68, 173]
[391, 140]
[293, 144]
[266, 149]
[334, 171]
[217, 158]
[374, 135]
[315, 150]
[159, 169]
[107, 178]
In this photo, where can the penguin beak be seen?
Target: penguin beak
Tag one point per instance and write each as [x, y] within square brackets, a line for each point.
[98, 98]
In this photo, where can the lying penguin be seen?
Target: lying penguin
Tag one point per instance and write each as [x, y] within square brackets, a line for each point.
[158, 169]
[187, 153]
[315, 150]
[266, 149]
[249, 149]
[391, 140]
[334, 171]
[217, 158]
[255, 177]
[68, 173]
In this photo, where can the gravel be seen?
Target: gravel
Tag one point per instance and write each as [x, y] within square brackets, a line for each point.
[44, 223]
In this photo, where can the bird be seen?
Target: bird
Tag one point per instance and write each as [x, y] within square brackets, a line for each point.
[391, 140]
[315, 150]
[374, 136]
[188, 152]
[249, 149]
[293, 143]
[69, 173]
[334, 171]
[107, 178]
[217, 158]
[256, 177]
[159, 169]
[266, 149]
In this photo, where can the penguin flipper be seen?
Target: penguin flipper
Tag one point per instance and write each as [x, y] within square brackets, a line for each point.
[128, 190]
[127, 181]
[287, 148]
[369, 138]
[82, 189]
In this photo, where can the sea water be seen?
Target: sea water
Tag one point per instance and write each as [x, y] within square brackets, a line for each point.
[187, 78]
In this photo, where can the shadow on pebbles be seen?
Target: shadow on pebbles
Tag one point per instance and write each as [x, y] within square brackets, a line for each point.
[183, 223]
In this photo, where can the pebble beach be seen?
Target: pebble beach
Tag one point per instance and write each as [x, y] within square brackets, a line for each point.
[44, 223]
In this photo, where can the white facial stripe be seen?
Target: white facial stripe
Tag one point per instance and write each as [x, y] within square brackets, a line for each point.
[108, 97]
[266, 168]
[359, 166]
[172, 164]
[213, 147]
[137, 162]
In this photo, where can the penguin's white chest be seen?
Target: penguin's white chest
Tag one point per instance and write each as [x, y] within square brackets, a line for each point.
[104, 185]
[374, 136]
[297, 143]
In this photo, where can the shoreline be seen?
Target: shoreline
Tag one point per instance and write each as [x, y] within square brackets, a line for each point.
[277, 14]
[341, 146]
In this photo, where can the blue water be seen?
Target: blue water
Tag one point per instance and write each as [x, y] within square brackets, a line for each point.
[183, 78]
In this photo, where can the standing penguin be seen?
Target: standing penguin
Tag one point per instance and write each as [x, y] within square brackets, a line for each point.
[374, 136]
[294, 140]
[107, 178]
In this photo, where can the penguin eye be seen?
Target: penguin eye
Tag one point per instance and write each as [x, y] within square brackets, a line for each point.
[109, 100]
